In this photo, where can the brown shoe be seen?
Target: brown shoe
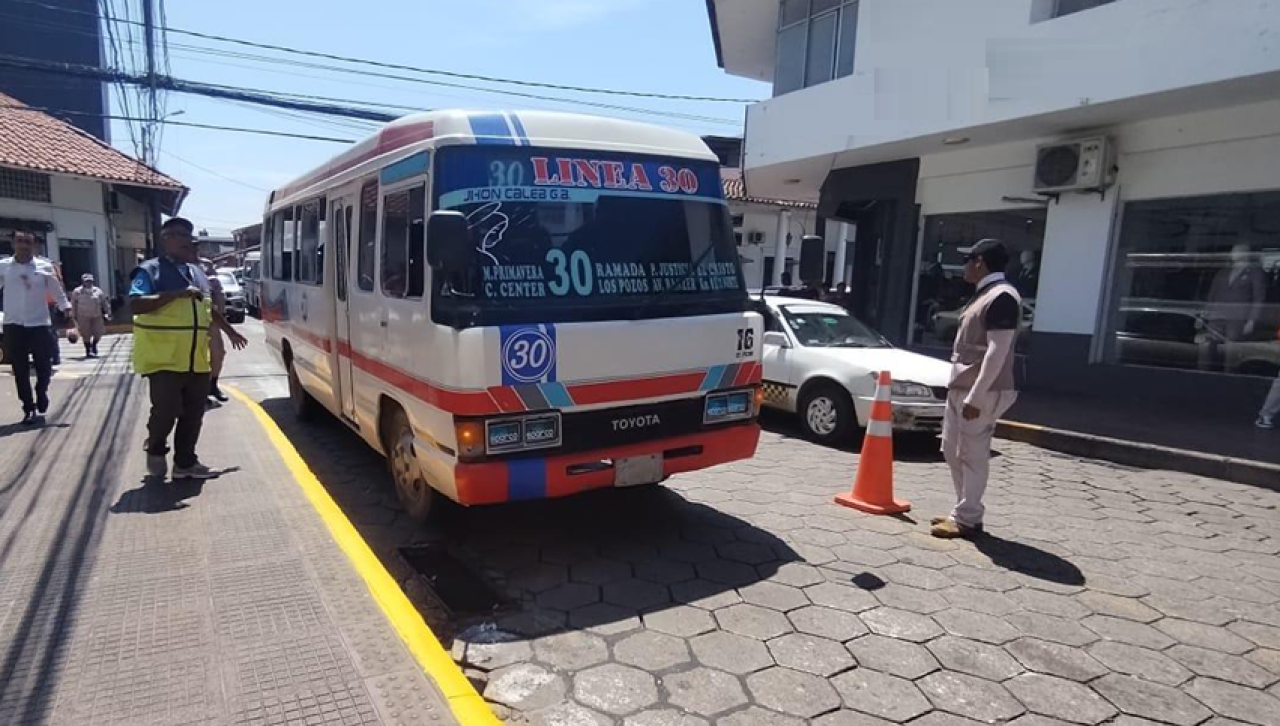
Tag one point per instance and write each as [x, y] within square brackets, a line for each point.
[936, 521]
[947, 529]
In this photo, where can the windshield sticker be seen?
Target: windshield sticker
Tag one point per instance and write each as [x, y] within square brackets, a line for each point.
[493, 223]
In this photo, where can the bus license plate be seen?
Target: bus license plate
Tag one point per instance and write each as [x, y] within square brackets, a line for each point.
[637, 470]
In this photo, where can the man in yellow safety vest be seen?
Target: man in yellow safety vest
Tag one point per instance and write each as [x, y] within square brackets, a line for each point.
[171, 318]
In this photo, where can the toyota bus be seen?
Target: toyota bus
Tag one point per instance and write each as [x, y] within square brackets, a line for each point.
[515, 306]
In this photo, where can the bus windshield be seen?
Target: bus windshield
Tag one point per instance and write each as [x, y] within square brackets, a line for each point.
[576, 235]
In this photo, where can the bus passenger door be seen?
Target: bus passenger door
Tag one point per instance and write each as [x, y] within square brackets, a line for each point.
[341, 214]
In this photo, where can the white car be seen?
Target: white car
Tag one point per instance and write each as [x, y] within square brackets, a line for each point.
[821, 362]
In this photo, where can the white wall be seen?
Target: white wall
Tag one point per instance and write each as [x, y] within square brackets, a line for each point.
[1212, 152]
[925, 67]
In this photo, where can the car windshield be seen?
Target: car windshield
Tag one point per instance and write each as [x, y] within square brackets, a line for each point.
[830, 329]
[574, 235]
[228, 282]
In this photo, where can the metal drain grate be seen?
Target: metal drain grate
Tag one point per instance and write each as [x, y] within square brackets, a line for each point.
[457, 587]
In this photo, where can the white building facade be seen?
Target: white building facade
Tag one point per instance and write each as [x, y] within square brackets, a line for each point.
[920, 122]
[91, 207]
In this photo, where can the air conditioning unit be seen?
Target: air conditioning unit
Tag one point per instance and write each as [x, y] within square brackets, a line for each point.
[755, 238]
[1076, 165]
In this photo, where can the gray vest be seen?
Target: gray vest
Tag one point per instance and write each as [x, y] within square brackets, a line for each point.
[971, 341]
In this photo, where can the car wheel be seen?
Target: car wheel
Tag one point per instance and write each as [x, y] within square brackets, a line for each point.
[412, 488]
[827, 415]
[303, 405]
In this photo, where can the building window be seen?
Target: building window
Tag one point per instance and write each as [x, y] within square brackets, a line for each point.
[815, 43]
[27, 186]
[1070, 7]
[941, 292]
[1198, 285]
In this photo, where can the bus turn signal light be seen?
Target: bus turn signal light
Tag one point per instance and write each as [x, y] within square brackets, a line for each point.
[470, 439]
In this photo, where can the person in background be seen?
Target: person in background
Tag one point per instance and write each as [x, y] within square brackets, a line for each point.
[56, 318]
[1236, 298]
[26, 283]
[172, 314]
[982, 386]
[1271, 406]
[841, 296]
[90, 309]
[217, 345]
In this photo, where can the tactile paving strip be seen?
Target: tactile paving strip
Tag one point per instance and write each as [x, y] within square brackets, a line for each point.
[262, 599]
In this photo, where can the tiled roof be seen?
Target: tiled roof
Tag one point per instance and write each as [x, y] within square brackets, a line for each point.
[33, 140]
[735, 190]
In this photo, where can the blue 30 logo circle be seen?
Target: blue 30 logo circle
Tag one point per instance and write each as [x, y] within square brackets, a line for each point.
[528, 355]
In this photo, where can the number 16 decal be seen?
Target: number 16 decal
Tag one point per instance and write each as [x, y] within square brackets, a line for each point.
[746, 341]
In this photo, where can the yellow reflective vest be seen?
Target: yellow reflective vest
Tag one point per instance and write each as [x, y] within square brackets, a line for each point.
[173, 338]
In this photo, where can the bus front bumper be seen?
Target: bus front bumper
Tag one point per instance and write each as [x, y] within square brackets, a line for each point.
[562, 475]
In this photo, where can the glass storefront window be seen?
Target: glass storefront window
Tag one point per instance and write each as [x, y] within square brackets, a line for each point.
[941, 292]
[1198, 285]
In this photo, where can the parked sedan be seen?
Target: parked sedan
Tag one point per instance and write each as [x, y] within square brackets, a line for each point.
[236, 304]
[821, 363]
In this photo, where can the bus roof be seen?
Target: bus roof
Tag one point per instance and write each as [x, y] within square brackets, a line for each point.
[410, 134]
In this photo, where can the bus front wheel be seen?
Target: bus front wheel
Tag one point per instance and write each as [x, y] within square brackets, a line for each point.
[412, 488]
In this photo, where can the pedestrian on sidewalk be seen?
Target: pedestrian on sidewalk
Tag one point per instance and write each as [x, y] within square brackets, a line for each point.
[982, 386]
[26, 282]
[90, 309]
[171, 322]
[217, 345]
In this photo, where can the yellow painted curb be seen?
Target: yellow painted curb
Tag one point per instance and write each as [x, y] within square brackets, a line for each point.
[465, 703]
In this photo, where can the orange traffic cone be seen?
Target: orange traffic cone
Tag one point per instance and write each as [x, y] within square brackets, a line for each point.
[873, 485]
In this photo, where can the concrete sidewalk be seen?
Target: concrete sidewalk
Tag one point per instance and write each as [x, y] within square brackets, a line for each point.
[222, 602]
[1222, 444]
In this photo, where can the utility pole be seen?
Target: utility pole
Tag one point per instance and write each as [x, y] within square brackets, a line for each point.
[150, 154]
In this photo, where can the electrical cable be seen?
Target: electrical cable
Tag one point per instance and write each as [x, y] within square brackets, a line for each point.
[417, 69]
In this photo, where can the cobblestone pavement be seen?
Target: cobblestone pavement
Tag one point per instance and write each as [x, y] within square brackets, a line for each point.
[742, 596]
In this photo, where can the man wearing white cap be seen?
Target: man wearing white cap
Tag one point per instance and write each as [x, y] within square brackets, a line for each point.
[91, 310]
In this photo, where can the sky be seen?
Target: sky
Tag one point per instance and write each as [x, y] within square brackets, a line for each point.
[647, 45]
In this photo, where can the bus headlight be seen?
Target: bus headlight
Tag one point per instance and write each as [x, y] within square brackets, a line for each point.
[507, 435]
[731, 406]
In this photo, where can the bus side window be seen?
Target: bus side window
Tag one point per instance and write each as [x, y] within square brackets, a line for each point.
[309, 243]
[395, 243]
[281, 244]
[417, 236]
[368, 234]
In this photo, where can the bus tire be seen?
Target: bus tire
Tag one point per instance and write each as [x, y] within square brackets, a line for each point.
[301, 402]
[412, 488]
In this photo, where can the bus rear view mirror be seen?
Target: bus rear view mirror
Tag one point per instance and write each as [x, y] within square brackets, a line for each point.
[449, 245]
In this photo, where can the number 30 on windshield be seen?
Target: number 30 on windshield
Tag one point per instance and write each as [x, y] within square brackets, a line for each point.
[572, 271]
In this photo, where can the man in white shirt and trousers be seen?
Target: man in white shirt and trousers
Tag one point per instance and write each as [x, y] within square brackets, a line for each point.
[982, 386]
[27, 283]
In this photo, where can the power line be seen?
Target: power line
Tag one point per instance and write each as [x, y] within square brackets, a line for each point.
[417, 69]
[364, 73]
[200, 89]
[211, 171]
[169, 122]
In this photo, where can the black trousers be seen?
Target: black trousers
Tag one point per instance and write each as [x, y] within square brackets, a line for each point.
[24, 347]
[176, 398]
